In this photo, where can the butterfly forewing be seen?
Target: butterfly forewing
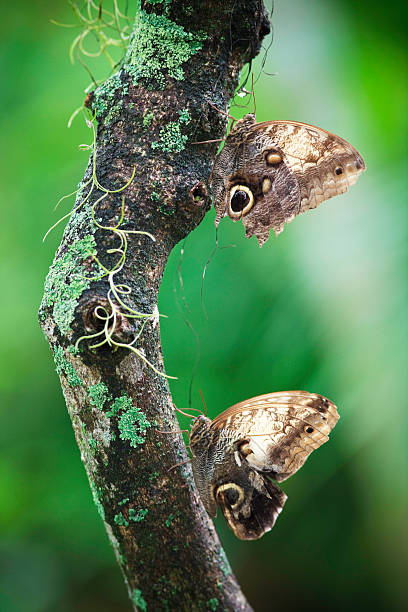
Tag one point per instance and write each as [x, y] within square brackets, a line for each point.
[324, 164]
[281, 429]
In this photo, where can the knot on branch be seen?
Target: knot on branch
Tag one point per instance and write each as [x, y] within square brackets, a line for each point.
[199, 194]
[101, 326]
[98, 316]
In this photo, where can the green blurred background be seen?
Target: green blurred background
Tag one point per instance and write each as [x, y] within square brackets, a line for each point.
[319, 308]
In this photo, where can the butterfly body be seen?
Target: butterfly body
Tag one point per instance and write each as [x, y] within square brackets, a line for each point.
[267, 173]
[236, 455]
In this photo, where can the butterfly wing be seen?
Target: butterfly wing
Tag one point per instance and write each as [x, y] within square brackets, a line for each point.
[324, 164]
[284, 168]
[236, 455]
[250, 502]
[280, 430]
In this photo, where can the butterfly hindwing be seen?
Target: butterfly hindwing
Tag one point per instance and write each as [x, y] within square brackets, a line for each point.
[250, 502]
[274, 188]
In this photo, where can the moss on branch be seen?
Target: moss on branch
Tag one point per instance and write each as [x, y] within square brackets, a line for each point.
[159, 47]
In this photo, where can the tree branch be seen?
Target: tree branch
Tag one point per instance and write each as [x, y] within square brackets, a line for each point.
[144, 176]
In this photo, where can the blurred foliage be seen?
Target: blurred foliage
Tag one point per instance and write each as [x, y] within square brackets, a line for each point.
[319, 308]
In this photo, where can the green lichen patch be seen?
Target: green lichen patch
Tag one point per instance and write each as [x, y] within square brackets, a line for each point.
[66, 281]
[224, 563]
[159, 46]
[212, 604]
[98, 395]
[138, 516]
[155, 197]
[121, 403]
[96, 494]
[147, 119]
[105, 95]
[132, 426]
[122, 559]
[170, 519]
[123, 501]
[119, 519]
[114, 112]
[132, 422]
[171, 138]
[92, 443]
[166, 210]
[65, 367]
[138, 600]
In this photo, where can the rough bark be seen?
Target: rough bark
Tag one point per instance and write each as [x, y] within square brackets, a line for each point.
[182, 57]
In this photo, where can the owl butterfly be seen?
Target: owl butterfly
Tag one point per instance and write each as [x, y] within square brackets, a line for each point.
[237, 456]
[267, 173]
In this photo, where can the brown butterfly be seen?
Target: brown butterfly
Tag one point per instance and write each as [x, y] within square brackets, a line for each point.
[267, 173]
[238, 454]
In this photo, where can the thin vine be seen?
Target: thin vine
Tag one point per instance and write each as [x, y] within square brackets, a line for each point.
[116, 292]
[118, 308]
[92, 181]
[109, 29]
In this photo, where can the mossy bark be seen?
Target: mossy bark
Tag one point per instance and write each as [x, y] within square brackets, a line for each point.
[183, 57]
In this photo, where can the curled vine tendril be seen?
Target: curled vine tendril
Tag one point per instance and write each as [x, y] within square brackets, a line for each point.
[118, 308]
[108, 29]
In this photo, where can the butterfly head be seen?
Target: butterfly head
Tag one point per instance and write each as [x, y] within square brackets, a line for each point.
[241, 127]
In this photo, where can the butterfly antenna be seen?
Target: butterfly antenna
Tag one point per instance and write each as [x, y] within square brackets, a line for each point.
[184, 310]
[190, 416]
[221, 111]
[205, 407]
[204, 272]
[217, 246]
